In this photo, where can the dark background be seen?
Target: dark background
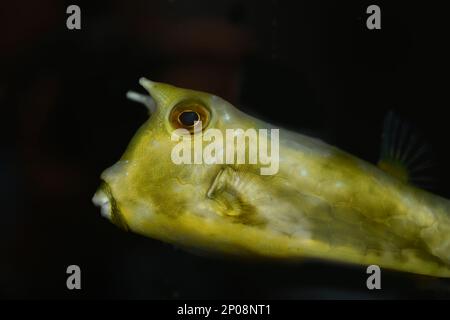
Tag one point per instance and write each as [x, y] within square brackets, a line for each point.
[311, 66]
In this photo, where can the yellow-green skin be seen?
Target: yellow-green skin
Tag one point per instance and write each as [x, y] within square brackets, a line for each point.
[323, 203]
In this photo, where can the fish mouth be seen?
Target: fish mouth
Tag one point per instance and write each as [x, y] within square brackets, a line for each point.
[104, 199]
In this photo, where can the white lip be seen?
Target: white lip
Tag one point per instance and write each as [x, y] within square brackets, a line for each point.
[101, 200]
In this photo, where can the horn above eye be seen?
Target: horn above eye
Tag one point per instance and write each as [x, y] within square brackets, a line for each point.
[190, 115]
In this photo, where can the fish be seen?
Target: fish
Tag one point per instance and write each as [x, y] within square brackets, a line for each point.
[321, 203]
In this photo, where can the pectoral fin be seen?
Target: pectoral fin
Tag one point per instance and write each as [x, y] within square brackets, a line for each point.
[404, 153]
[228, 191]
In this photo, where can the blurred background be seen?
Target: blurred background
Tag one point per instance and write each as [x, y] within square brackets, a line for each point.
[311, 66]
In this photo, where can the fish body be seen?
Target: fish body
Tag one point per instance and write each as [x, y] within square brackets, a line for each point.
[321, 203]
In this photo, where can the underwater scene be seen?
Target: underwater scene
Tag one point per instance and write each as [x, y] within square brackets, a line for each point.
[227, 149]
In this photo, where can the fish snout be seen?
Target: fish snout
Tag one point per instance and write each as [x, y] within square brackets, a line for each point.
[116, 172]
[103, 197]
[102, 201]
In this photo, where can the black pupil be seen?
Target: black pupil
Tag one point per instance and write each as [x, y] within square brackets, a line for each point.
[188, 118]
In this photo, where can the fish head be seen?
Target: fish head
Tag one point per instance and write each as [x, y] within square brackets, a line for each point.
[147, 192]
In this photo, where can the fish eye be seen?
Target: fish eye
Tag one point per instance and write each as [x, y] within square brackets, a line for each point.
[188, 118]
[190, 115]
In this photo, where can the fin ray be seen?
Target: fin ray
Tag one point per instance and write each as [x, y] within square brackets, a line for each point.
[404, 154]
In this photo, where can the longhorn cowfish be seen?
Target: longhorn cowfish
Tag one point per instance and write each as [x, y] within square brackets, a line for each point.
[321, 203]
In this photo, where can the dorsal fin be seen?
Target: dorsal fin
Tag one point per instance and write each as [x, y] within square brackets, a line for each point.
[404, 153]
